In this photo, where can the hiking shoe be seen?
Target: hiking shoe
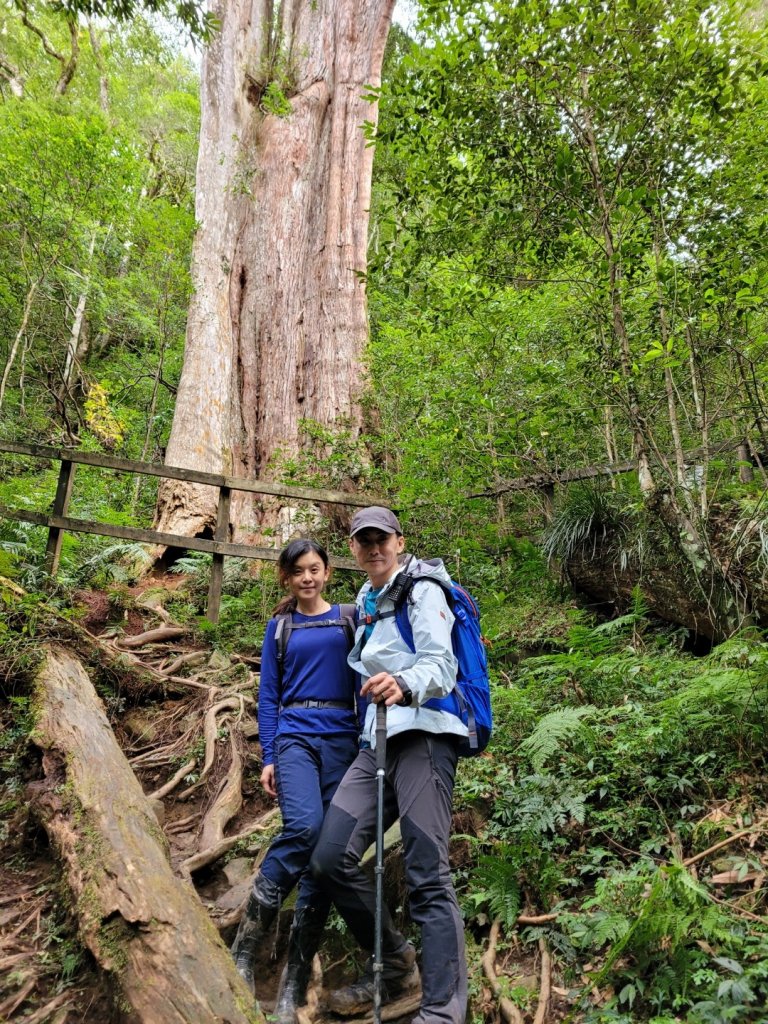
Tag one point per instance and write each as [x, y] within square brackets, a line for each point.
[400, 977]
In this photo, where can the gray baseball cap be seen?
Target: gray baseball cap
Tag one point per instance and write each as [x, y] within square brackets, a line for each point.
[376, 517]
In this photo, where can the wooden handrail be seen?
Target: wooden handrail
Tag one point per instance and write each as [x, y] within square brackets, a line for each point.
[58, 522]
[190, 475]
[171, 540]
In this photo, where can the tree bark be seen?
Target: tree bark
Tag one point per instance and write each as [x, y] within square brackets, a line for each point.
[277, 321]
[12, 76]
[28, 303]
[144, 927]
[597, 573]
[97, 54]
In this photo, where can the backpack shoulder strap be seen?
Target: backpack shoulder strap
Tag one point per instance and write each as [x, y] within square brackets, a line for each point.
[285, 626]
[348, 615]
[282, 632]
[403, 599]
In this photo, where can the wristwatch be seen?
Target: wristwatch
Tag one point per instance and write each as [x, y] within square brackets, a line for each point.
[407, 698]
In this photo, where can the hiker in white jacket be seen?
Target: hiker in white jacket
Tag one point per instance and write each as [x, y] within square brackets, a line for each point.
[423, 732]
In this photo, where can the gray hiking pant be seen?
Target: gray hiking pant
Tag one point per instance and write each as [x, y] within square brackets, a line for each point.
[418, 789]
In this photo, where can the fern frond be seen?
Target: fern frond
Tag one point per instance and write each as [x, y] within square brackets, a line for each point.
[552, 732]
[496, 885]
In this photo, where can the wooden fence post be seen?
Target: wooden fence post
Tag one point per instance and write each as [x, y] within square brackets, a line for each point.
[60, 503]
[217, 569]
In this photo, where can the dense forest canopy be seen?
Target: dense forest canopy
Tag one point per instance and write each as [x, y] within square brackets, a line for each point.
[566, 270]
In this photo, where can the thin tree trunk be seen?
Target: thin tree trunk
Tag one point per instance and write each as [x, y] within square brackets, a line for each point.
[73, 345]
[702, 420]
[12, 76]
[98, 57]
[69, 63]
[277, 321]
[28, 303]
[645, 477]
[753, 397]
[609, 435]
[669, 385]
[150, 418]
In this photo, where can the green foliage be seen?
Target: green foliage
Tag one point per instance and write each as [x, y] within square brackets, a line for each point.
[551, 732]
[200, 24]
[96, 215]
[275, 102]
[589, 805]
[587, 515]
[661, 928]
[495, 884]
[247, 601]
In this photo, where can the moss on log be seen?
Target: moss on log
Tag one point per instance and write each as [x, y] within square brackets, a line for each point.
[145, 927]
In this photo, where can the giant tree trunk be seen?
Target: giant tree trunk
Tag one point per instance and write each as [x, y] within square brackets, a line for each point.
[144, 927]
[277, 322]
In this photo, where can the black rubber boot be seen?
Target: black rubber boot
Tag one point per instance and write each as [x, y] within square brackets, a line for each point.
[303, 943]
[399, 978]
[260, 911]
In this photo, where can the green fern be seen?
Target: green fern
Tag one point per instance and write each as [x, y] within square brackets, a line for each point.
[495, 885]
[537, 804]
[553, 732]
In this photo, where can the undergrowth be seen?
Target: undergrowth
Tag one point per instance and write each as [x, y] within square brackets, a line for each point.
[613, 761]
[616, 758]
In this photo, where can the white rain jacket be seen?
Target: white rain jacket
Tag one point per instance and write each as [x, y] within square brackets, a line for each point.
[429, 672]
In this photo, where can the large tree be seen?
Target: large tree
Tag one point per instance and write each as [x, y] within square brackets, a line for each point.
[277, 322]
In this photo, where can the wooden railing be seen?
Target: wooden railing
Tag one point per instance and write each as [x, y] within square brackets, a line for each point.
[58, 522]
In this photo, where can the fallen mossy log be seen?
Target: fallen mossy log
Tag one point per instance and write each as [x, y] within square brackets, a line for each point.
[144, 927]
[596, 572]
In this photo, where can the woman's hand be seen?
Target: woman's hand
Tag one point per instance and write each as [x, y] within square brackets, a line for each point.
[268, 780]
[382, 687]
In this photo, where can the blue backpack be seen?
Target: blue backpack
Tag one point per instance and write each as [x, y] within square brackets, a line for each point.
[471, 699]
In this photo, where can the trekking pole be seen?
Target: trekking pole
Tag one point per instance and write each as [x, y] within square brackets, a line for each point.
[381, 761]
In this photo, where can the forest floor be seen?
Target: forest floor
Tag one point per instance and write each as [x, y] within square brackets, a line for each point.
[180, 734]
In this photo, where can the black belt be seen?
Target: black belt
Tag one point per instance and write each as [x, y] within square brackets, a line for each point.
[341, 705]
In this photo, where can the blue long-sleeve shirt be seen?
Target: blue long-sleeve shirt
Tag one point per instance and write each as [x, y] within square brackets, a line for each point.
[314, 668]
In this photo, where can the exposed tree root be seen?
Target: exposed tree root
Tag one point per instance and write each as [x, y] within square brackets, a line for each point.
[507, 1008]
[227, 803]
[152, 636]
[753, 830]
[545, 989]
[210, 733]
[173, 782]
[59, 1002]
[189, 660]
[206, 857]
[13, 1002]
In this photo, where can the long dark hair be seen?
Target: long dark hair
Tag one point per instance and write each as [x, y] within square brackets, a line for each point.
[289, 556]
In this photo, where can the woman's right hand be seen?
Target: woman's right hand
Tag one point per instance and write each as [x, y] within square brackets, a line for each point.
[268, 779]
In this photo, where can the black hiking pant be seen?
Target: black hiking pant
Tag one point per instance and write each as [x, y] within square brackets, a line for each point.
[418, 789]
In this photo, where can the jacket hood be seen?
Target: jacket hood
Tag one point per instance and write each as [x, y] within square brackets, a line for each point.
[425, 567]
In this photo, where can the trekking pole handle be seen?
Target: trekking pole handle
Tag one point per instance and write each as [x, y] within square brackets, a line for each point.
[381, 736]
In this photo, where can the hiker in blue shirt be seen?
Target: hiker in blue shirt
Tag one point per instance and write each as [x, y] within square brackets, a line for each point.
[423, 737]
[308, 729]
